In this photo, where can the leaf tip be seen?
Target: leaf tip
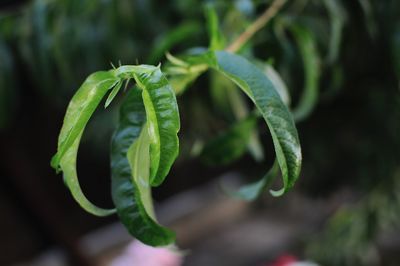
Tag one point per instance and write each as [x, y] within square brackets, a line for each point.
[277, 193]
[54, 163]
[107, 103]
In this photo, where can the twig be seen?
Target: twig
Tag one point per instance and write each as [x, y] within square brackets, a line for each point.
[256, 26]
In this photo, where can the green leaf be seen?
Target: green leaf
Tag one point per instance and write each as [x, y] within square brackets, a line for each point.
[80, 109]
[337, 17]
[130, 165]
[216, 39]
[228, 99]
[163, 121]
[252, 191]
[261, 91]
[255, 147]
[278, 83]
[162, 117]
[231, 144]
[306, 43]
[161, 111]
[181, 74]
[113, 93]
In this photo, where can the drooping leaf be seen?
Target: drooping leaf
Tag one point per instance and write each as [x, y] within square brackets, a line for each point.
[228, 99]
[261, 91]
[337, 17]
[252, 191]
[130, 165]
[163, 122]
[277, 116]
[162, 117]
[308, 99]
[79, 111]
[231, 144]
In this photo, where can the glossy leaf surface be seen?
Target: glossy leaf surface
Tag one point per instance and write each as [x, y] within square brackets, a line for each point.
[163, 122]
[162, 116]
[130, 164]
[268, 102]
[161, 111]
[79, 111]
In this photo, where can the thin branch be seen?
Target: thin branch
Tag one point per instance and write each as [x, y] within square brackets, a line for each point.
[268, 14]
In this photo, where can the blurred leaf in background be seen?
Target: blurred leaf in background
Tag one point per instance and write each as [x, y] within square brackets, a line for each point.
[7, 85]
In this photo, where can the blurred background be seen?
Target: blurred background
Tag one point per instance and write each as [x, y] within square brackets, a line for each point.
[345, 208]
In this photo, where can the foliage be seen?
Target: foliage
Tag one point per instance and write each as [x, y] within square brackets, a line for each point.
[340, 58]
[150, 143]
[153, 143]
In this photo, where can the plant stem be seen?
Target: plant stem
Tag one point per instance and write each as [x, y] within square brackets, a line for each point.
[268, 14]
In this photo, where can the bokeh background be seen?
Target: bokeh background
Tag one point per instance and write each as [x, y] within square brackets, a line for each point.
[347, 199]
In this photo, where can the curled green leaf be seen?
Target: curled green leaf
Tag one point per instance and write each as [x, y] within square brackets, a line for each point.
[276, 114]
[163, 122]
[229, 100]
[162, 117]
[79, 111]
[130, 164]
[161, 114]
